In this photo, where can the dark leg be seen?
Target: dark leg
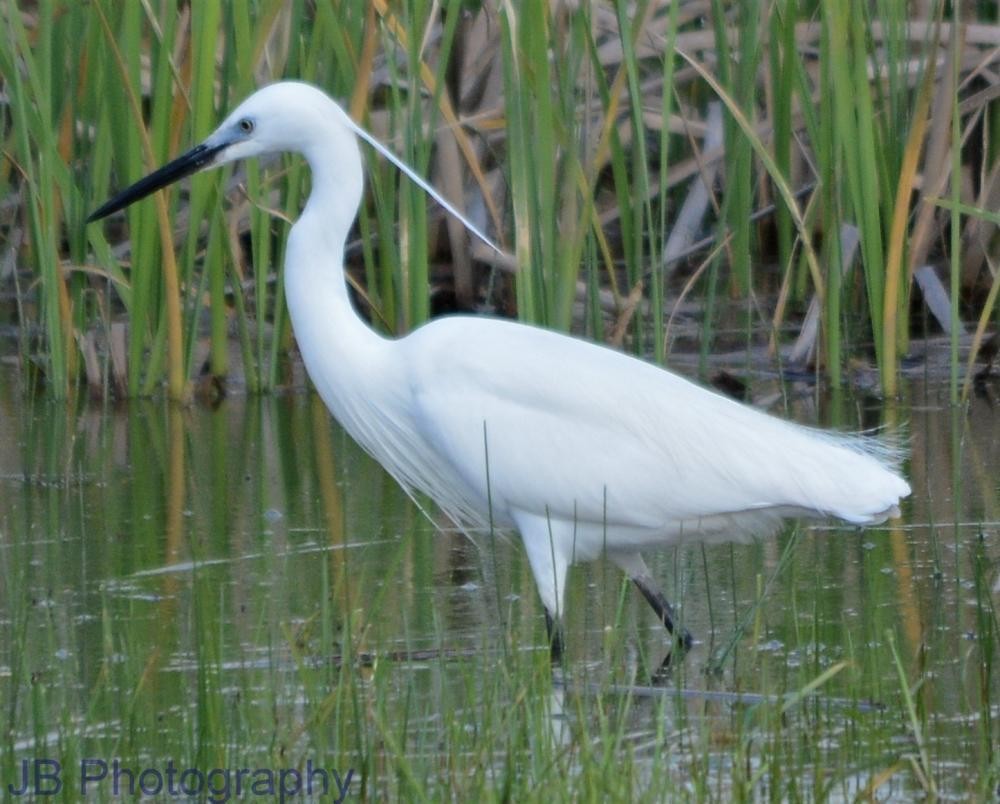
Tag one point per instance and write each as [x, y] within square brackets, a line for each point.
[636, 569]
[664, 611]
[554, 629]
[638, 572]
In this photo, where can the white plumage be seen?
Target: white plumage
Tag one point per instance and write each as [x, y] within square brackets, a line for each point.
[589, 450]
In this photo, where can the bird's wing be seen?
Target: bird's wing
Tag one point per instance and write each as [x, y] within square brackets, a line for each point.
[575, 430]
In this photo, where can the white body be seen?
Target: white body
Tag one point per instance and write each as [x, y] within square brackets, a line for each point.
[589, 450]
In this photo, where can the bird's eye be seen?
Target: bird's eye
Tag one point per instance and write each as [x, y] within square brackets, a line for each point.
[246, 125]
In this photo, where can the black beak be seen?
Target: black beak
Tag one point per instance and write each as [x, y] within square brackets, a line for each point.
[201, 156]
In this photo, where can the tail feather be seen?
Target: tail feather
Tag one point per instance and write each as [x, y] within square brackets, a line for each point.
[860, 480]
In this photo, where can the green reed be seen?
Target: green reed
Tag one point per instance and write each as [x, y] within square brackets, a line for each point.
[575, 136]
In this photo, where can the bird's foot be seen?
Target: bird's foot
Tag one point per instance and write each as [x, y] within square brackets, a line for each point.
[554, 630]
[681, 644]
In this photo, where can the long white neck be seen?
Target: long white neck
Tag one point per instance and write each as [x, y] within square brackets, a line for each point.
[343, 356]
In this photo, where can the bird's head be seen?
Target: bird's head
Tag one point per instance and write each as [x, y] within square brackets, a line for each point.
[286, 116]
[274, 118]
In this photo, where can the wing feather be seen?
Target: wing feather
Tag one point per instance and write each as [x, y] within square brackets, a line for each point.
[576, 430]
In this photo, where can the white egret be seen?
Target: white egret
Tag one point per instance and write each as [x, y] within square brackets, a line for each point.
[581, 449]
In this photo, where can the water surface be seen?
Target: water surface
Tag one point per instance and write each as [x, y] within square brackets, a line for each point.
[241, 586]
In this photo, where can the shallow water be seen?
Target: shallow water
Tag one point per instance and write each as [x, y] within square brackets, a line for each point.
[243, 587]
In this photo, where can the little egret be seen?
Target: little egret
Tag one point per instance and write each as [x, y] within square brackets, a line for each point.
[581, 449]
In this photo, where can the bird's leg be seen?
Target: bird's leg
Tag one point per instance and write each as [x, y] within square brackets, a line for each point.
[553, 627]
[638, 572]
[664, 611]
[545, 543]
